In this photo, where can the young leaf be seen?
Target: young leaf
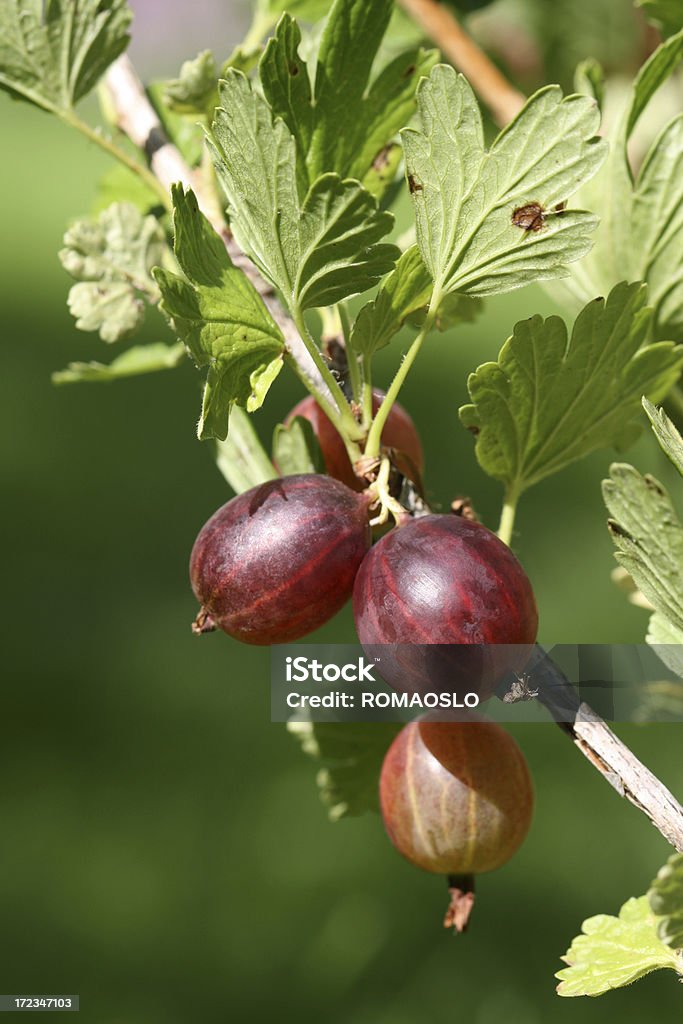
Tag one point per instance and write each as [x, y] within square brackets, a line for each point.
[350, 756]
[615, 951]
[403, 296]
[666, 902]
[315, 252]
[137, 360]
[112, 259]
[195, 90]
[296, 448]
[405, 290]
[53, 53]
[341, 124]
[221, 318]
[670, 441]
[547, 402]
[641, 229]
[667, 15]
[241, 457]
[648, 538]
[467, 200]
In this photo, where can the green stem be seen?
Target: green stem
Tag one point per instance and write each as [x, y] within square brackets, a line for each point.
[342, 417]
[110, 147]
[367, 392]
[355, 376]
[507, 516]
[372, 448]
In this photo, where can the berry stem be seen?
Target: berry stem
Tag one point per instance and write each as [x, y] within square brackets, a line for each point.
[372, 447]
[507, 516]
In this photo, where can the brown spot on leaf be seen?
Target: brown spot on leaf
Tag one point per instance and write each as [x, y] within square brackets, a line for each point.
[413, 184]
[530, 217]
[294, 70]
[410, 70]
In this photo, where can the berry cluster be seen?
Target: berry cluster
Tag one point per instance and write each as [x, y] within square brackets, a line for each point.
[447, 600]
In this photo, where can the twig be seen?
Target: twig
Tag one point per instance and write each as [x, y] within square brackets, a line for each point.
[136, 117]
[437, 22]
[605, 750]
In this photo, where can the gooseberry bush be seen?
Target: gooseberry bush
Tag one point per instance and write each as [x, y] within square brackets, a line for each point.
[251, 200]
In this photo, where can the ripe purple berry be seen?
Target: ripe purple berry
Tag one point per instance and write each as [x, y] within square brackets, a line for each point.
[279, 560]
[442, 591]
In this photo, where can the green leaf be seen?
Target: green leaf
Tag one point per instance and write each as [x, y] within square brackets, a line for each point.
[589, 79]
[641, 229]
[667, 15]
[405, 290]
[465, 198]
[341, 124]
[241, 457]
[666, 902]
[296, 448]
[349, 755]
[112, 258]
[666, 638]
[648, 538]
[670, 441]
[136, 361]
[315, 252]
[221, 318]
[615, 951]
[195, 90]
[548, 401]
[53, 53]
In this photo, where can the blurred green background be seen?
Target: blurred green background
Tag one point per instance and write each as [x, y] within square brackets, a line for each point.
[163, 850]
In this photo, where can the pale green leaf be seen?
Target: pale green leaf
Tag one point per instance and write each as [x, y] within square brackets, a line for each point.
[465, 198]
[132, 363]
[648, 538]
[615, 951]
[641, 227]
[195, 90]
[341, 124]
[315, 252]
[589, 79]
[112, 258]
[349, 756]
[241, 457]
[666, 902]
[670, 440]
[405, 290]
[667, 15]
[53, 53]
[667, 640]
[296, 448]
[221, 318]
[548, 401]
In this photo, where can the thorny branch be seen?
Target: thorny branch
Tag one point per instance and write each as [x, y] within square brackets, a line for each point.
[136, 117]
[605, 751]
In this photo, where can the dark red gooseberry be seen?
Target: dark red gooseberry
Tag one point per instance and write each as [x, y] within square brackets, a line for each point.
[456, 797]
[399, 432]
[279, 560]
[442, 591]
